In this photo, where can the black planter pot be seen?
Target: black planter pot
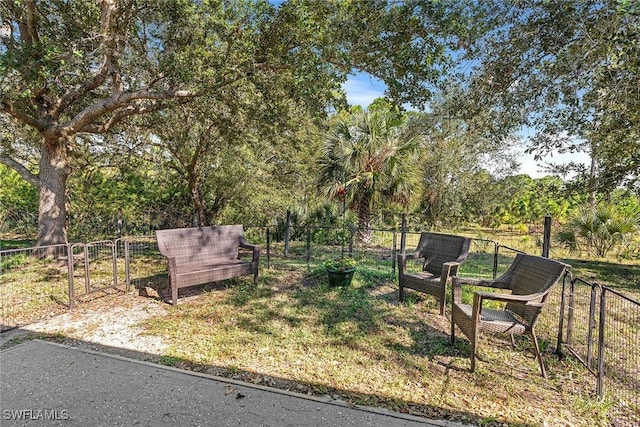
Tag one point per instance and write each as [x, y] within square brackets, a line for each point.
[340, 278]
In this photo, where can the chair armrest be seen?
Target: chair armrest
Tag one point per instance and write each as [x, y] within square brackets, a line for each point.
[409, 255]
[402, 260]
[462, 258]
[510, 298]
[449, 269]
[494, 283]
[458, 281]
[456, 286]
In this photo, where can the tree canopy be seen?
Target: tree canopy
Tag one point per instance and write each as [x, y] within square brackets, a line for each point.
[72, 68]
[204, 103]
[570, 70]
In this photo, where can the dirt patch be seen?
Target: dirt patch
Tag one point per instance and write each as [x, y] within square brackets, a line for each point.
[109, 323]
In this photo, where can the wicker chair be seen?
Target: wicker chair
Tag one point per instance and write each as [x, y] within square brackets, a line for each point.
[443, 254]
[530, 279]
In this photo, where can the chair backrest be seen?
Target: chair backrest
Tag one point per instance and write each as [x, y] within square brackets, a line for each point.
[440, 248]
[201, 243]
[530, 274]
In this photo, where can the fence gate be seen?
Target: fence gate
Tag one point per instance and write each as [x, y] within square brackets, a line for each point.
[97, 267]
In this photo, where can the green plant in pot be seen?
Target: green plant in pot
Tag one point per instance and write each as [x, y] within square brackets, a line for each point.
[340, 271]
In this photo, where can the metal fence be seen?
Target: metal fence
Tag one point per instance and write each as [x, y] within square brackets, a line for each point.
[600, 327]
[597, 325]
[41, 281]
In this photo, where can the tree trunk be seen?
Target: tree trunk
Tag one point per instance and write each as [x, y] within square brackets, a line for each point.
[198, 201]
[591, 199]
[364, 220]
[53, 174]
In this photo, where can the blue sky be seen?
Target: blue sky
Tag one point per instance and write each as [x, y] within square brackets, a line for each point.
[362, 89]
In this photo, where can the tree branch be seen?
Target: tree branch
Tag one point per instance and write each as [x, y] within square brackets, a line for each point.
[119, 115]
[126, 103]
[109, 11]
[22, 171]
[32, 27]
[7, 108]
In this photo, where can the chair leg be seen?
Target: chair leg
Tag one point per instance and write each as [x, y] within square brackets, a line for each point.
[474, 347]
[401, 293]
[174, 294]
[443, 300]
[453, 329]
[536, 347]
[476, 313]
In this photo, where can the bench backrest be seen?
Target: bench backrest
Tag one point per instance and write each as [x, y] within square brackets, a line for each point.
[201, 243]
[440, 248]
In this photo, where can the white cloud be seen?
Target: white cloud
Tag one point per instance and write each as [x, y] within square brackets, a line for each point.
[533, 167]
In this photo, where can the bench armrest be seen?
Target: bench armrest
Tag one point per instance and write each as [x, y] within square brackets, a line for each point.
[254, 248]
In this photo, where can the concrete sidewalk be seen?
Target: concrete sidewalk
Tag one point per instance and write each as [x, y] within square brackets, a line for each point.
[43, 383]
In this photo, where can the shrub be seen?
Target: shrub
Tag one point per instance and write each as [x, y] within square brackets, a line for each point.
[599, 229]
[341, 264]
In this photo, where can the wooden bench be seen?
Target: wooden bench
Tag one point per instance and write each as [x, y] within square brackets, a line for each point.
[202, 255]
[443, 254]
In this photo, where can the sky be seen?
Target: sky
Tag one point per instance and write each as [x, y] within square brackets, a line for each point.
[362, 89]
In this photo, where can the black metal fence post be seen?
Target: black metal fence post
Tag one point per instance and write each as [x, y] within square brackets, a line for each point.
[287, 234]
[496, 252]
[571, 313]
[591, 326]
[546, 242]
[601, 343]
[268, 247]
[403, 236]
[561, 316]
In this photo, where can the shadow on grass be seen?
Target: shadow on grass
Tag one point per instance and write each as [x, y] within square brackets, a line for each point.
[157, 287]
[407, 339]
[296, 390]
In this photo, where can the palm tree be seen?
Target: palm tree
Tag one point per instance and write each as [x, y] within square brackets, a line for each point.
[599, 229]
[369, 158]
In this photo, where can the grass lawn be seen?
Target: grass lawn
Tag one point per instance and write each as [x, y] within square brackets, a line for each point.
[361, 345]
[357, 343]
